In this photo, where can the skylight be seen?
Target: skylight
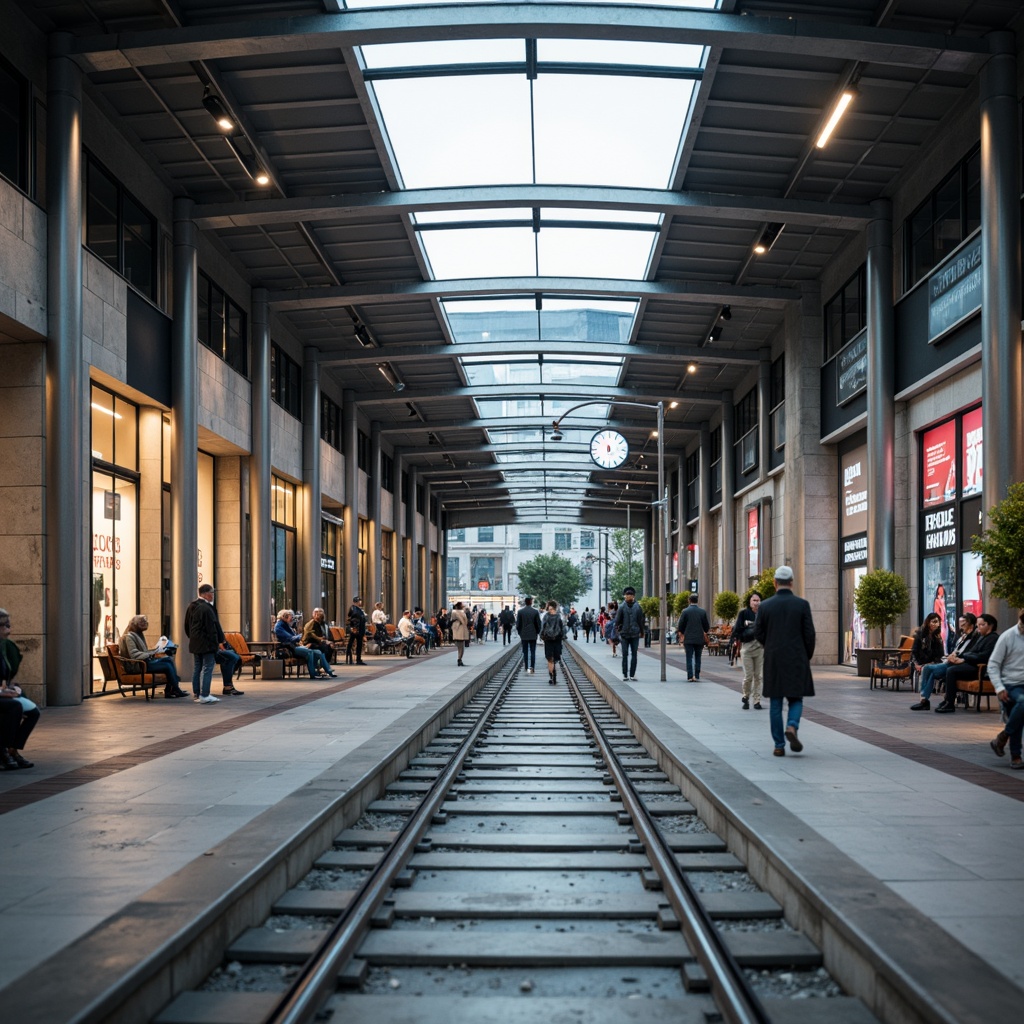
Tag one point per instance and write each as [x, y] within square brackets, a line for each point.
[505, 318]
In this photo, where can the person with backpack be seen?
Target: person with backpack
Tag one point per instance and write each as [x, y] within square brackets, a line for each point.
[552, 632]
[573, 623]
[508, 620]
[528, 628]
[587, 622]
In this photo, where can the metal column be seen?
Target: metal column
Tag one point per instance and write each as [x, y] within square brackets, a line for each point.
[704, 523]
[881, 388]
[312, 590]
[1001, 367]
[728, 501]
[184, 422]
[373, 499]
[350, 428]
[259, 469]
[426, 596]
[442, 527]
[399, 597]
[764, 392]
[67, 661]
[413, 533]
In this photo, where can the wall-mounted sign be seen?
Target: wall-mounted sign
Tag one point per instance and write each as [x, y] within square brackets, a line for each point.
[938, 471]
[939, 529]
[855, 550]
[972, 454]
[753, 543]
[954, 291]
[327, 563]
[855, 492]
[852, 369]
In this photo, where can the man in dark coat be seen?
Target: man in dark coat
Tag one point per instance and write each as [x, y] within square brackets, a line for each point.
[356, 632]
[693, 626]
[629, 625]
[507, 620]
[528, 628]
[785, 628]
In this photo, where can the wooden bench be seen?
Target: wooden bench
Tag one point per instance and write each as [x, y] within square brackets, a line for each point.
[894, 667]
[980, 685]
[240, 646]
[133, 674]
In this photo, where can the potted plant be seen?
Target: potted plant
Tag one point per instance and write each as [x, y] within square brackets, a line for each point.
[727, 605]
[651, 607]
[1001, 547]
[881, 598]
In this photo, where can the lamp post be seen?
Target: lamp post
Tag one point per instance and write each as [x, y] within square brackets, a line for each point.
[661, 504]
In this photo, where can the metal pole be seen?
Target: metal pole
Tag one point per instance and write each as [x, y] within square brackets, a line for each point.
[350, 429]
[663, 611]
[312, 590]
[629, 547]
[262, 609]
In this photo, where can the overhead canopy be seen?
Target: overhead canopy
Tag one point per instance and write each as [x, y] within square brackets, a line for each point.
[520, 208]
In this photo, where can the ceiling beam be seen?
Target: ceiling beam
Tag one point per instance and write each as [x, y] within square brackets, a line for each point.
[510, 392]
[500, 350]
[471, 448]
[374, 293]
[683, 205]
[778, 35]
[580, 420]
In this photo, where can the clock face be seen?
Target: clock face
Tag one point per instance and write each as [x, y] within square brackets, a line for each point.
[609, 449]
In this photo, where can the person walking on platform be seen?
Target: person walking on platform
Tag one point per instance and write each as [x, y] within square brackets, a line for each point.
[786, 629]
[573, 623]
[1006, 670]
[528, 628]
[693, 626]
[588, 624]
[552, 632]
[508, 620]
[460, 630]
[356, 631]
[751, 652]
[629, 625]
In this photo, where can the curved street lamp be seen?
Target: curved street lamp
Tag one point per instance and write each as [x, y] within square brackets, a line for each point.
[661, 504]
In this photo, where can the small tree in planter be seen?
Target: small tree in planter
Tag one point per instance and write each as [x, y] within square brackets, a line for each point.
[651, 607]
[765, 586]
[727, 605]
[881, 598]
[679, 602]
[1001, 547]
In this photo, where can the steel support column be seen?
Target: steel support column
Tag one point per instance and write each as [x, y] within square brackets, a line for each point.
[184, 422]
[442, 527]
[373, 501]
[311, 591]
[704, 523]
[259, 469]
[399, 595]
[881, 388]
[764, 392]
[413, 534]
[350, 428]
[426, 599]
[67, 662]
[1001, 365]
[728, 554]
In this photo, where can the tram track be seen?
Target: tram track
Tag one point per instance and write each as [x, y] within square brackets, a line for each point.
[533, 861]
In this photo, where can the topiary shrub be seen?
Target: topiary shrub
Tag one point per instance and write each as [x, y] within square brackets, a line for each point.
[1001, 547]
[881, 598]
[679, 602]
[727, 605]
[765, 586]
[650, 606]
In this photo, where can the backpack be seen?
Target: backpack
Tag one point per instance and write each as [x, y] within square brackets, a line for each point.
[551, 628]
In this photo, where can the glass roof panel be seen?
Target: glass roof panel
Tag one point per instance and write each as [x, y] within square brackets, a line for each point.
[459, 131]
[444, 51]
[531, 408]
[535, 435]
[512, 319]
[548, 456]
[462, 216]
[582, 372]
[700, 4]
[594, 252]
[620, 51]
[601, 130]
[606, 216]
[481, 252]
[486, 372]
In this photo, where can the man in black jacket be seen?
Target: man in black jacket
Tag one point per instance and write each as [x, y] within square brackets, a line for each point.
[966, 666]
[629, 626]
[356, 632]
[693, 626]
[507, 620]
[528, 628]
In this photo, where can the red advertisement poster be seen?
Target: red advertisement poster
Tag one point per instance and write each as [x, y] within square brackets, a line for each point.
[938, 453]
[753, 554]
[972, 456]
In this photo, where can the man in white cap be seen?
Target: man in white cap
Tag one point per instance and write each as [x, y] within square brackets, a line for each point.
[785, 628]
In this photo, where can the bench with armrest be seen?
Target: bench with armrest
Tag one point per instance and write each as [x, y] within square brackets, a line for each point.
[134, 674]
[980, 685]
[240, 646]
[894, 666]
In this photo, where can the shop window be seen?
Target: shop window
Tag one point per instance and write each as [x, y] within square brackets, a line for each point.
[485, 535]
[118, 230]
[363, 559]
[329, 568]
[285, 381]
[530, 541]
[949, 215]
[330, 422]
[777, 403]
[587, 540]
[845, 314]
[222, 325]
[15, 126]
[115, 430]
[563, 541]
[205, 504]
[282, 545]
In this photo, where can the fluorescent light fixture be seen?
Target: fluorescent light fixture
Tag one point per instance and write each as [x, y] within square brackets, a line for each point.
[715, 333]
[726, 313]
[846, 97]
[362, 335]
[216, 109]
[768, 238]
[389, 375]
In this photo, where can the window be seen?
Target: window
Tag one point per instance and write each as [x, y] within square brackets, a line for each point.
[845, 314]
[482, 570]
[716, 465]
[285, 381]
[485, 535]
[944, 219]
[330, 422]
[529, 542]
[457, 535]
[421, 498]
[387, 473]
[745, 427]
[587, 539]
[363, 451]
[118, 230]
[282, 544]
[14, 126]
[328, 569]
[777, 403]
[387, 568]
[563, 541]
[692, 485]
[222, 326]
[452, 578]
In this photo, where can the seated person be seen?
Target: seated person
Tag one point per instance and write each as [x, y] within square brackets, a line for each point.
[933, 672]
[287, 636]
[18, 715]
[407, 631]
[315, 634]
[424, 629]
[965, 666]
[133, 645]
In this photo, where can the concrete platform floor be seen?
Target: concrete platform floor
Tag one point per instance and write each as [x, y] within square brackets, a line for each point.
[127, 794]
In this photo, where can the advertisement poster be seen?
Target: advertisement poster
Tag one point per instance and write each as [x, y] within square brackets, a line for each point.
[972, 583]
[972, 460]
[939, 593]
[852, 369]
[939, 464]
[753, 552]
[855, 492]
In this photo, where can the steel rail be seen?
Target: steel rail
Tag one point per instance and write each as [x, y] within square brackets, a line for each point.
[735, 999]
[318, 979]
